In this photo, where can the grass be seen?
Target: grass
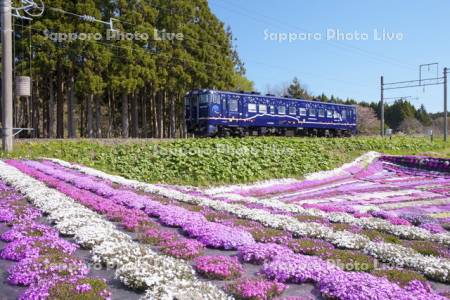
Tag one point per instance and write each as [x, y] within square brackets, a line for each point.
[204, 162]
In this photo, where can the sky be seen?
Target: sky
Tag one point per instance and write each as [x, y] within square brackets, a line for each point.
[334, 48]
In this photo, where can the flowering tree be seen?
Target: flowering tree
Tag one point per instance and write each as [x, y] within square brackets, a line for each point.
[368, 124]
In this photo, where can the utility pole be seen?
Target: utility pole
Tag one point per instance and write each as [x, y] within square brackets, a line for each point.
[445, 106]
[382, 106]
[7, 83]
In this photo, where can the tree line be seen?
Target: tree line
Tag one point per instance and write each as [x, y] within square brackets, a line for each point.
[401, 115]
[100, 87]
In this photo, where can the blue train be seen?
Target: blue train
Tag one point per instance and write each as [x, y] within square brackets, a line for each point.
[213, 113]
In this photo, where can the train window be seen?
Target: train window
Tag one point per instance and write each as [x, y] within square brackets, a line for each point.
[302, 111]
[344, 115]
[330, 114]
[313, 112]
[292, 110]
[233, 105]
[216, 99]
[321, 113]
[271, 109]
[262, 109]
[204, 99]
[281, 110]
[251, 108]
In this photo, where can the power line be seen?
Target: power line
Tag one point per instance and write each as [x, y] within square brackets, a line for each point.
[417, 83]
[88, 18]
[134, 49]
[373, 55]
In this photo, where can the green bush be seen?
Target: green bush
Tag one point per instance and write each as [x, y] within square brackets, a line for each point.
[98, 290]
[428, 248]
[378, 236]
[401, 277]
[352, 260]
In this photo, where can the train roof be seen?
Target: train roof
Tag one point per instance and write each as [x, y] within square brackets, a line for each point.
[269, 96]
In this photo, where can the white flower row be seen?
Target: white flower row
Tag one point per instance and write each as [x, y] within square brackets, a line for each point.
[363, 160]
[402, 231]
[433, 267]
[137, 266]
[366, 196]
[440, 201]
[315, 189]
[246, 187]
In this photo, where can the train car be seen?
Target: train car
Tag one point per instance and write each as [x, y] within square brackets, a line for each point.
[211, 113]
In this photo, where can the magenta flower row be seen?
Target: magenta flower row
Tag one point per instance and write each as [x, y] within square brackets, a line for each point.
[44, 261]
[281, 262]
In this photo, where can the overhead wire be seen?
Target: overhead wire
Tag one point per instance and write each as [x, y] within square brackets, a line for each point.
[266, 19]
[328, 78]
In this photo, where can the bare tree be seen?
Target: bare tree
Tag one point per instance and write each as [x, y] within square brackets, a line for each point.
[279, 90]
[411, 126]
[368, 123]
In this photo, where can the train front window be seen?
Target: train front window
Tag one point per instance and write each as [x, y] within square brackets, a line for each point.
[204, 99]
[233, 105]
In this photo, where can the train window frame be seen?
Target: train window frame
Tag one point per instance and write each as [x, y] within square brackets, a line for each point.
[321, 113]
[281, 109]
[303, 111]
[312, 112]
[233, 105]
[344, 115]
[260, 110]
[330, 114]
[292, 110]
[251, 108]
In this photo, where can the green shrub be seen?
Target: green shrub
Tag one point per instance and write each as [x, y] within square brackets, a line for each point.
[270, 235]
[310, 246]
[352, 260]
[341, 227]
[307, 219]
[401, 277]
[378, 236]
[98, 290]
[427, 248]
[219, 161]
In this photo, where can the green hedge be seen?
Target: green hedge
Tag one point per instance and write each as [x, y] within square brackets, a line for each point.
[219, 161]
